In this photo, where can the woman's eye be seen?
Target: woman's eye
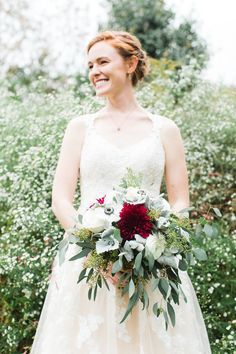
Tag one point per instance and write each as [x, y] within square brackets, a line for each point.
[101, 62]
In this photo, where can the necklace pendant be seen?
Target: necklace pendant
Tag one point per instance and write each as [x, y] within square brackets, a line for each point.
[118, 129]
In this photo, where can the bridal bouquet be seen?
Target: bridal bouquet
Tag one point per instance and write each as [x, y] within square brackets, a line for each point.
[138, 237]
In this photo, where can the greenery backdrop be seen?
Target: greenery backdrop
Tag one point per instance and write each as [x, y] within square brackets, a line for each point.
[33, 120]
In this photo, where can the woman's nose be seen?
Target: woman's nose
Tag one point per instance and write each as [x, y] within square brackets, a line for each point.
[95, 70]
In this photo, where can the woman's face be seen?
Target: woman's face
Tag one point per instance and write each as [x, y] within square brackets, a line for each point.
[107, 69]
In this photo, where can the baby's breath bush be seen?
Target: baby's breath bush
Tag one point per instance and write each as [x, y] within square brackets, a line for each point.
[32, 125]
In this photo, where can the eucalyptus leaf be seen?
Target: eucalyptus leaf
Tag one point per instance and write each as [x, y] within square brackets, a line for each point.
[208, 230]
[168, 260]
[151, 261]
[175, 296]
[95, 292]
[132, 302]
[200, 254]
[174, 286]
[90, 273]
[166, 318]
[121, 260]
[198, 230]
[99, 281]
[183, 265]
[131, 288]
[84, 244]
[154, 308]
[117, 266]
[83, 253]
[137, 262]
[117, 235]
[171, 313]
[163, 286]
[82, 275]
[105, 281]
[90, 293]
[155, 283]
[190, 259]
[141, 272]
[183, 294]
[146, 298]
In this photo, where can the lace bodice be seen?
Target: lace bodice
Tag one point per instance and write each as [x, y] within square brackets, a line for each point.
[103, 164]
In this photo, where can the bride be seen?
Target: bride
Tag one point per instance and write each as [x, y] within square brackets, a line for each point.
[96, 149]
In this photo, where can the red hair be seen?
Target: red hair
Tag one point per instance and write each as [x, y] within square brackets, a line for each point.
[127, 45]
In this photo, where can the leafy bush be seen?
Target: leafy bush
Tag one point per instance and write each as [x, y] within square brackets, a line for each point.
[152, 22]
[32, 125]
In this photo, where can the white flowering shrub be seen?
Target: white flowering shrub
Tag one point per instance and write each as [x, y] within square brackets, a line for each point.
[32, 127]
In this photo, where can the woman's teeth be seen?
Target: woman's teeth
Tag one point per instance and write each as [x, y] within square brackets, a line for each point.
[101, 83]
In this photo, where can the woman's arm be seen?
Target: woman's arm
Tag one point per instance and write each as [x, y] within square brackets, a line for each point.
[176, 175]
[67, 173]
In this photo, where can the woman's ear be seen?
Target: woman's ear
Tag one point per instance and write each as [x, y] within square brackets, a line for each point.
[132, 64]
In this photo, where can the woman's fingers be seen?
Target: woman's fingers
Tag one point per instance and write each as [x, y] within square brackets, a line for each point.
[113, 278]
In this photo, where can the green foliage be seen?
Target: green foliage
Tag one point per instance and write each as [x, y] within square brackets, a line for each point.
[131, 179]
[32, 126]
[151, 21]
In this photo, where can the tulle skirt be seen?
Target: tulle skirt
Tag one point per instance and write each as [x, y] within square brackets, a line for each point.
[70, 323]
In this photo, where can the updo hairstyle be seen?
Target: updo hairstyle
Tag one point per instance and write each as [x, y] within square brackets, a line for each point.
[126, 45]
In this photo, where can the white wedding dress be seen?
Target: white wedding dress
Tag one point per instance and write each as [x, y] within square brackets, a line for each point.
[72, 324]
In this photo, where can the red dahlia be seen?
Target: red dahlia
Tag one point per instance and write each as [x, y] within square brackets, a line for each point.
[134, 220]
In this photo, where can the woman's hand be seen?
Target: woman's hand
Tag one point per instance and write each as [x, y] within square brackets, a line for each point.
[113, 279]
[107, 274]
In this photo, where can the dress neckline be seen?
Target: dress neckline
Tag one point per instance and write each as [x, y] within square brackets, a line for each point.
[134, 145]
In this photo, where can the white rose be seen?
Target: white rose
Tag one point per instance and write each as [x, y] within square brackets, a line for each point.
[131, 194]
[95, 219]
[155, 244]
[135, 195]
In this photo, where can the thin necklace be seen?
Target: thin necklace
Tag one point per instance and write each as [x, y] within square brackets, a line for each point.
[118, 127]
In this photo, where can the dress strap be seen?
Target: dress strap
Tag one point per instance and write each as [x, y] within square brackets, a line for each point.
[157, 122]
[88, 120]
[155, 118]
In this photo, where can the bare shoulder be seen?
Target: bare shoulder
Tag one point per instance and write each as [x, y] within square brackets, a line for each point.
[79, 122]
[168, 125]
[170, 132]
[75, 131]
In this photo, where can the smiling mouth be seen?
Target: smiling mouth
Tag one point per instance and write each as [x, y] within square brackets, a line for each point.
[101, 83]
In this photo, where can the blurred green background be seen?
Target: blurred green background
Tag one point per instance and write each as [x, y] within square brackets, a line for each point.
[36, 104]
